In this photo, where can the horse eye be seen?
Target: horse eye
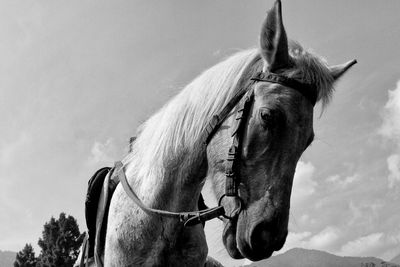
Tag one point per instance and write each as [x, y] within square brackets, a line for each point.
[270, 117]
[265, 115]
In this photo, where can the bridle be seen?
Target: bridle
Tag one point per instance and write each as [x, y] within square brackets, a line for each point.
[232, 170]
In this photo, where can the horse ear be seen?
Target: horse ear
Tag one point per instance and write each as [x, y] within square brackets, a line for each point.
[338, 70]
[273, 40]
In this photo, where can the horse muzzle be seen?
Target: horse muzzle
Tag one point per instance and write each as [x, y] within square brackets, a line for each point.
[246, 237]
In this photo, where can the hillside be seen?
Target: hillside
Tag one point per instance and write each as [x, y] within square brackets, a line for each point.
[298, 257]
[396, 259]
[7, 258]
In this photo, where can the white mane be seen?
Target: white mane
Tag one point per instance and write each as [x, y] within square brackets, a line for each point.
[178, 125]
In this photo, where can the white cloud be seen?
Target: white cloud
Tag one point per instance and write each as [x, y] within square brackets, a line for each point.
[323, 240]
[350, 179]
[378, 244]
[297, 239]
[363, 246]
[343, 182]
[356, 213]
[303, 185]
[102, 152]
[393, 163]
[391, 116]
[333, 178]
[390, 130]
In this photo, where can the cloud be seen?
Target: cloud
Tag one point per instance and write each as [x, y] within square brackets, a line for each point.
[303, 185]
[296, 240]
[102, 153]
[325, 239]
[390, 128]
[363, 246]
[333, 240]
[356, 213]
[333, 178]
[378, 244]
[343, 182]
[393, 163]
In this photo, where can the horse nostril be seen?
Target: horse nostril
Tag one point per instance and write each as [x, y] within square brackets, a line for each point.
[261, 236]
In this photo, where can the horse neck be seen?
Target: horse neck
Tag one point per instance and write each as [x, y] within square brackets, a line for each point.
[157, 240]
[178, 185]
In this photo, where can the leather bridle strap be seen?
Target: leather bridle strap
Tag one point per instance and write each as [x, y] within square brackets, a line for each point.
[187, 218]
[309, 91]
[232, 162]
[219, 118]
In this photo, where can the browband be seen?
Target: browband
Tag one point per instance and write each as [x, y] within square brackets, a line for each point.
[309, 91]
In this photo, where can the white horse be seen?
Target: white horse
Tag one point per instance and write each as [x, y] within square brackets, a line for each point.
[169, 162]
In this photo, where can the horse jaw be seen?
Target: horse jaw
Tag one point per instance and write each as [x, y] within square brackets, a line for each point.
[229, 240]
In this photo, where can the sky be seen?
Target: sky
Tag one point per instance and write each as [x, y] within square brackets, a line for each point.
[78, 77]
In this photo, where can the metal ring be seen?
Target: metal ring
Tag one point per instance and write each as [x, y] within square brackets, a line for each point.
[236, 211]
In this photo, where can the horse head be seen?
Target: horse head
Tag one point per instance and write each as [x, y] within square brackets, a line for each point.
[277, 130]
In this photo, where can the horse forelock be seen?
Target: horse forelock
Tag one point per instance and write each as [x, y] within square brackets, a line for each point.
[312, 69]
[177, 126]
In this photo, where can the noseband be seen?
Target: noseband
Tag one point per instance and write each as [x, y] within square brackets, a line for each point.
[232, 171]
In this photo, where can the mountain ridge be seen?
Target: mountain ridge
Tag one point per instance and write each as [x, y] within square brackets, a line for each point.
[299, 257]
[396, 259]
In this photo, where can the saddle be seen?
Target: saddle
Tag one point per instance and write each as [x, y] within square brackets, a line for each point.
[95, 186]
[101, 187]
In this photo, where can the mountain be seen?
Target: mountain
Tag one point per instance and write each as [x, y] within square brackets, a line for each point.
[299, 257]
[7, 258]
[396, 259]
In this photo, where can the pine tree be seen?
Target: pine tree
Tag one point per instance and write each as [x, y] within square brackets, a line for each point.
[60, 242]
[26, 257]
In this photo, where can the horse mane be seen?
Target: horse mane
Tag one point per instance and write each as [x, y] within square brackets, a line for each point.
[177, 126]
[313, 69]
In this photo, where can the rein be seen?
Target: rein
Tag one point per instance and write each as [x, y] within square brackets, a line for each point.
[232, 171]
[187, 218]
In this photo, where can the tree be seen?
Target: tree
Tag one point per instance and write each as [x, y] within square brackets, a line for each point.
[26, 257]
[60, 242]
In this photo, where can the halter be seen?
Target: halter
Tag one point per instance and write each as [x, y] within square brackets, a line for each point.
[232, 171]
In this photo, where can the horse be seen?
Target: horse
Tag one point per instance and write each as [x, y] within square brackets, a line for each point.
[267, 97]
